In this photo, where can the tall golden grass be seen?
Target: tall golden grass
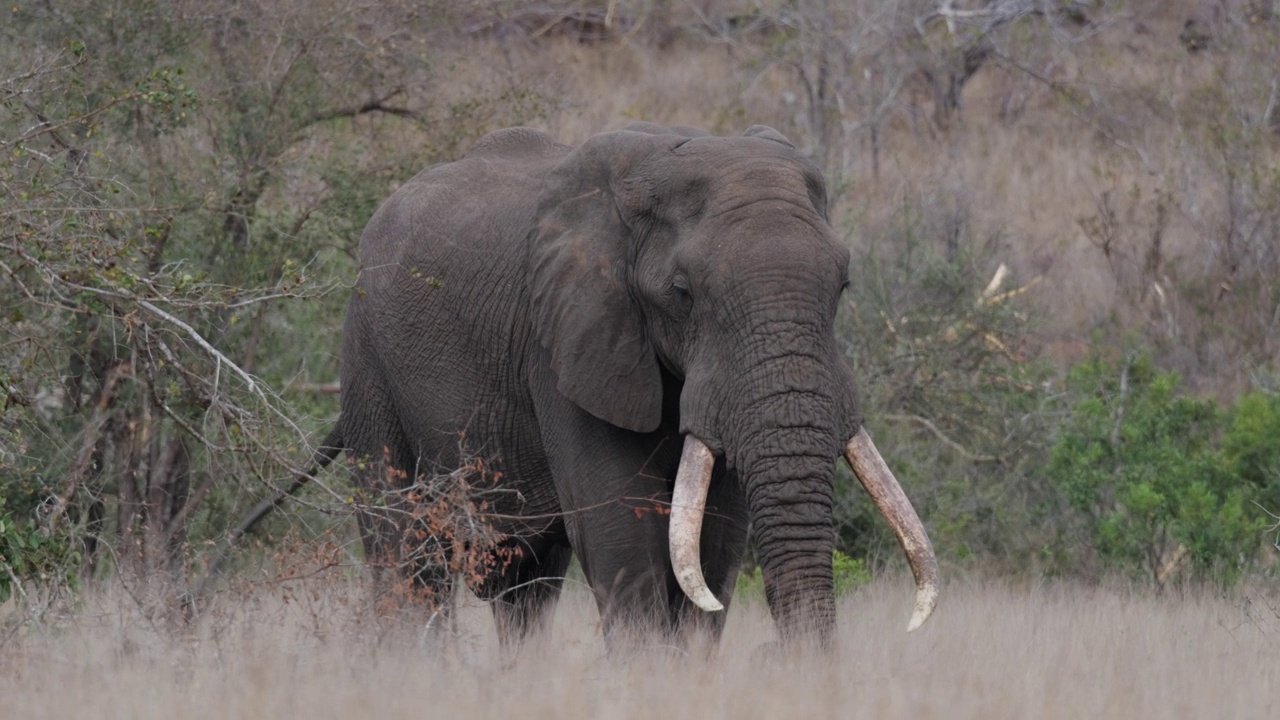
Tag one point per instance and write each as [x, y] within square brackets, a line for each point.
[993, 650]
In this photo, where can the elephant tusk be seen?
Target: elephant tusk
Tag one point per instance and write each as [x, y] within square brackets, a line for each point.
[893, 504]
[688, 502]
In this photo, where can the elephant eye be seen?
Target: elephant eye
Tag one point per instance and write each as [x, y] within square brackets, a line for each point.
[682, 301]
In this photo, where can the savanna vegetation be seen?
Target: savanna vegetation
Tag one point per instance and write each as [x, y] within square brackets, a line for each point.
[991, 651]
[1064, 312]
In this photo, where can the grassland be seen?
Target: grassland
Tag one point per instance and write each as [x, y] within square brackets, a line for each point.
[1128, 183]
[993, 650]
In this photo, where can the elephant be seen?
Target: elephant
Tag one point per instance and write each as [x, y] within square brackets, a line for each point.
[636, 336]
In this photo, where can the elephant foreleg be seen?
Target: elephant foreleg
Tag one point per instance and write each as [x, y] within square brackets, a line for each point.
[526, 606]
[723, 542]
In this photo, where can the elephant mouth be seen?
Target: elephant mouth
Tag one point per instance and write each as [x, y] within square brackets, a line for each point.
[689, 499]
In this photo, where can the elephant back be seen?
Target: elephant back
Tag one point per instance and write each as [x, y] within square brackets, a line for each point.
[482, 203]
[515, 143]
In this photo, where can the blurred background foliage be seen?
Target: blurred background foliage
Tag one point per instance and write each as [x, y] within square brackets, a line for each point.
[1065, 304]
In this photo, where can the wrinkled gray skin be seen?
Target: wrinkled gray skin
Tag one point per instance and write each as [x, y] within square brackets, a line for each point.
[593, 306]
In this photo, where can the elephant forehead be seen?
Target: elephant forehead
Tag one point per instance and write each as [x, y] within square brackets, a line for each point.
[766, 233]
[748, 158]
[739, 146]
[744, 179]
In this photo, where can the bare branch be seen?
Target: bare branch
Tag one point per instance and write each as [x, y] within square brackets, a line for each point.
[333, 387]
[928, 424]
[325, 454]
[378, 105]
[255, 386]
[46, 127]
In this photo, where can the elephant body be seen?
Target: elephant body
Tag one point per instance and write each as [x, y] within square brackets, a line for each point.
[571, 317]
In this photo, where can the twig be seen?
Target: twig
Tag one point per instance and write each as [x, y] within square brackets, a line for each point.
[324, 455]
[962, 450]
[32, 613]
[1274, 527]
[1124, 394]
[1010, 294]
[376, 105]
[333, 387]
[47, 127]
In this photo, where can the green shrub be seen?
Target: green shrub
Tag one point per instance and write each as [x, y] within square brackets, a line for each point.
[850, 573]
[1145, 469]
[1251, 445]
[29, 556]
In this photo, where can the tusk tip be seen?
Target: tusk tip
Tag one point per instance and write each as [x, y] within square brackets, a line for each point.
[712, 606]
[917, 619]
[926, 601]
[707, 601]
[695, 588]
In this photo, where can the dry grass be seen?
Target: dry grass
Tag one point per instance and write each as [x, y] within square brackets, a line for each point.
[992, 651]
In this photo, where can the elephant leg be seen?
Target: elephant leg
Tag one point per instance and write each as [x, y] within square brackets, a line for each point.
[525, 607]
[384, 464]
[614, 489]
[724, 540]
[614, 494]
[379, 474]
[623, 558]
[408, 560]
[616, 505]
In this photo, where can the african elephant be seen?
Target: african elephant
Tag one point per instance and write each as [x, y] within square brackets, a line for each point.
[640, 323]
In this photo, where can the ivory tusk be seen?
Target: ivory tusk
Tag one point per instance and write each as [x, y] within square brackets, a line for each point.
[688, 502]
[893, 504]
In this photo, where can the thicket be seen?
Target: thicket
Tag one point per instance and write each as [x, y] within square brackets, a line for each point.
[182, 189]
[182, 186]
[1110, 467]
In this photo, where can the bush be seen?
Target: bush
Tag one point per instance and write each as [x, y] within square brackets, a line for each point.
[938, 335]
[1251, 445]
[179, 215]
[1151, 479]
[29, 555]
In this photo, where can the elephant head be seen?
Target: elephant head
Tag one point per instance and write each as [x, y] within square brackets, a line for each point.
[711, 259]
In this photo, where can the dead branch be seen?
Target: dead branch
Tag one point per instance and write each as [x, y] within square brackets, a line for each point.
[328, 450]
[584, 24]
[333, 387]
[377, 105]
[928, 425]
[1001, 12]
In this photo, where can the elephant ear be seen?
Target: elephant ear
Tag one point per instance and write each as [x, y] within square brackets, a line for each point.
[649, 128]
[579, 265]
[768, 133]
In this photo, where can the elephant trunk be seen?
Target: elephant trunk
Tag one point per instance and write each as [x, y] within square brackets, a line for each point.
[795, 549]
[790, 497]
[783, 423]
